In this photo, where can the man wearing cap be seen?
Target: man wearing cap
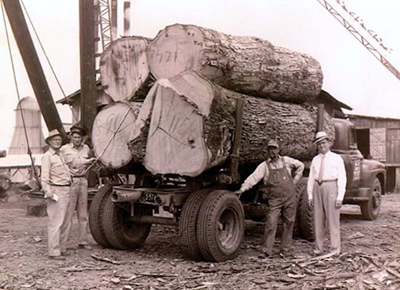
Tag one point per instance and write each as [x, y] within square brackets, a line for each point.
[326, 188]
[77, 156]
[279, 185]
[56, 184]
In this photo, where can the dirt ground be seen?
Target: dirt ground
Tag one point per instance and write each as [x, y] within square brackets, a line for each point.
[370, 258]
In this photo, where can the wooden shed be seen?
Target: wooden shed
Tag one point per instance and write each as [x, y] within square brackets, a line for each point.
[74, 101]
[379, 138]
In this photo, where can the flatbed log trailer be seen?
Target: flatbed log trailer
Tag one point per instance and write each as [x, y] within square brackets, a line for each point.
[211, 219]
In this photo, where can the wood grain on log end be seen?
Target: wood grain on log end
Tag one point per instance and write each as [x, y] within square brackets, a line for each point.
[124, 68]
[111, 131]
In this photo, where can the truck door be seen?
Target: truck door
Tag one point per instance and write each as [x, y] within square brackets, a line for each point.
[352, 161]
[346, 145]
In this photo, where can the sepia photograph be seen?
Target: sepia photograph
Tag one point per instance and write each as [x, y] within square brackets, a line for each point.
[156, 145]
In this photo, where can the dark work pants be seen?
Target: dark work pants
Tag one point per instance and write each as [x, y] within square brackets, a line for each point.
[284, 206]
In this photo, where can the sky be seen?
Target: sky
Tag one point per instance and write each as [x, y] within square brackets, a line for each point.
[351, 73]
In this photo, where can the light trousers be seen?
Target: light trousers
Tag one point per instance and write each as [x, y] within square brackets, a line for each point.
[78, 201]
[57, 210]
[325, 213]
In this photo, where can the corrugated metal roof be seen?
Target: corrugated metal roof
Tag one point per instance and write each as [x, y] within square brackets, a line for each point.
[23, 160]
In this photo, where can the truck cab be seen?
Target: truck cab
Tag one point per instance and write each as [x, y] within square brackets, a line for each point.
[365, 178]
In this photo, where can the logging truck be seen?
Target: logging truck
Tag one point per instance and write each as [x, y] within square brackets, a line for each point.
[190, 115]
[211, 219]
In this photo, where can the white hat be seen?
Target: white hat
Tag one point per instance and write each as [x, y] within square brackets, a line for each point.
[321, 135]
[52, 134]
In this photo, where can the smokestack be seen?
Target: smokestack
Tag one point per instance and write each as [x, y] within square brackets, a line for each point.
[127, 18]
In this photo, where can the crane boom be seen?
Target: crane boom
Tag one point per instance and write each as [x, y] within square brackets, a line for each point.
[372, 44]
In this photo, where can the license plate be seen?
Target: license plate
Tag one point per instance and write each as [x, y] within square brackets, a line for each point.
[149, 196]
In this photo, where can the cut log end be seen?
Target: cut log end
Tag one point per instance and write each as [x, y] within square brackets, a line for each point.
[111, 131]
[124, 68]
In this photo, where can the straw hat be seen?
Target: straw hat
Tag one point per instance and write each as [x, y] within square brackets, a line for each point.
[320, 136]
[52, 134]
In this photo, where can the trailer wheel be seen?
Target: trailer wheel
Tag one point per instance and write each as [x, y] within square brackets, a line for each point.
[121, 233]
[305, 212]
[220, 226]
[371, 208]
[95, 213]
[188, 224]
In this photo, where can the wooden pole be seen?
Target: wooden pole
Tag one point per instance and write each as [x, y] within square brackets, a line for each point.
[88, 68]
[114, 19]
[320, 119]
[32, 65]
[127, 18]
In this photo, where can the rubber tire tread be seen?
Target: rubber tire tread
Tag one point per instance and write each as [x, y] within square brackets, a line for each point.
[305, 212]
[367, 207]
[188, 224]
[113, 226]
[212, 207]
[95, 214]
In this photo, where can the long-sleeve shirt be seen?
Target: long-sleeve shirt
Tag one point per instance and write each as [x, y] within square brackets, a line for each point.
[262, 172]
[76, 158]
[333, 169]
[54, 170]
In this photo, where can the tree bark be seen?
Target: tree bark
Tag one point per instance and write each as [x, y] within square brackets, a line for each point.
[186, 125]
[111, 131]
[248, 65]
[124, 69]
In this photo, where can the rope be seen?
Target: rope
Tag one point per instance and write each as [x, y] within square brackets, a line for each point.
[47, 58]
[19, 97]
[41, 46]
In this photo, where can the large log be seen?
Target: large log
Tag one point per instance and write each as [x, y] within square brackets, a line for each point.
[111, 131]
[186, 126]
[124, 69]
[248, 65]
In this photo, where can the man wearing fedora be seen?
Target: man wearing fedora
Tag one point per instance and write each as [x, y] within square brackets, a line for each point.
[56, 184]
[326, 188]
[279, 175]
[77, 156]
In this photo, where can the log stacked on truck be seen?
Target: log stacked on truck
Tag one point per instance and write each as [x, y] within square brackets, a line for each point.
[186, 123]
[189, 124]
[248, 65]
[124, 69]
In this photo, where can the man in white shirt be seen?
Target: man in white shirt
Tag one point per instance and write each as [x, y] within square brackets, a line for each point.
[326, 188]
[279, 185]
[56, 185]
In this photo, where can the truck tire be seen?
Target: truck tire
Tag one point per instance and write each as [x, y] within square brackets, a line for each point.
[95, 214]
[120, 233]
[371, 208]
[220, 226]
[305, 212]
[188, 224]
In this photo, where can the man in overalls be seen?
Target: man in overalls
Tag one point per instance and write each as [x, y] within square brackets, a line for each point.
[279, 189]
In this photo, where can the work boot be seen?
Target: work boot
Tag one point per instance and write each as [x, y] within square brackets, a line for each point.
[288, 253]
[264, 253]
[86, 247]
[317, 252]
